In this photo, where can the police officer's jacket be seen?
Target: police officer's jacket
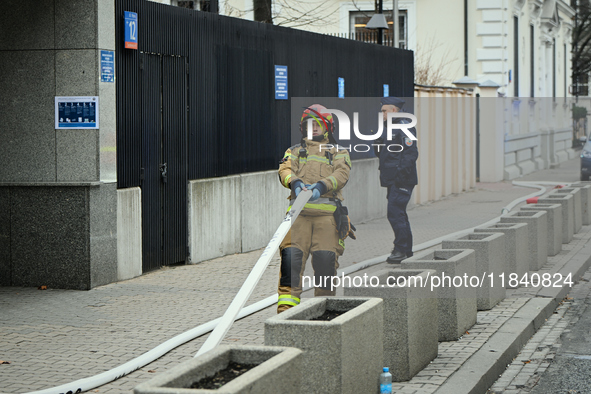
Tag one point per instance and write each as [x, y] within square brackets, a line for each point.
[399, 168]
[316, 162]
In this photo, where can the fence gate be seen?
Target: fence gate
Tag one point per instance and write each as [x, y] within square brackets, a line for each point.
[163, 115]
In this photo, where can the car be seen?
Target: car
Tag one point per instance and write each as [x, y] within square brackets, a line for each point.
[586, 161]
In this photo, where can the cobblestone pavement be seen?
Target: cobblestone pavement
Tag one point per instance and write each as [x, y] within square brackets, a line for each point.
[52, 337]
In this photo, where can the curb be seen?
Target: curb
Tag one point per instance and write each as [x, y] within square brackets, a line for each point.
[485, 366]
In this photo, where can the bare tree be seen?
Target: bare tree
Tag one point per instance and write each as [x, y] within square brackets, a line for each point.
[288, 13]
[302, 13]
[429, 70]
[581, 42]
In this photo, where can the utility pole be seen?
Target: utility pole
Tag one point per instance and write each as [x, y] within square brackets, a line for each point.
[378, 21]
[379, 11]
[395, 24]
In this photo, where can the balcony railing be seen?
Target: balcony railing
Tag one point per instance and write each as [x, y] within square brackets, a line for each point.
[371, 37]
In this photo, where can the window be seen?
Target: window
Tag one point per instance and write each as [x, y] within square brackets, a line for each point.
[565, 72]
[554, 67]
[358, 20]
[187, 4]
[531, 62]
[201, 5]
[516, 55]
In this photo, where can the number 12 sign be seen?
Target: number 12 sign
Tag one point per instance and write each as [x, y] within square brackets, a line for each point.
[130, 30]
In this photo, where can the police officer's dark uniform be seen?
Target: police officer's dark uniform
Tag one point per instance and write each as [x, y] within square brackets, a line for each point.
[398, 173]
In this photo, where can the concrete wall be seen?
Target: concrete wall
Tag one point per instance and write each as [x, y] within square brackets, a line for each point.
[520, 136]
[538, 135]
[492, 140]
[446, 124]
[214, 217]
[102, 232]
[364, 197]
[129, 233]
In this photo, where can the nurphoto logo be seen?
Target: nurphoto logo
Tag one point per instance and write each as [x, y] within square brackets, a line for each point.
[345, 131]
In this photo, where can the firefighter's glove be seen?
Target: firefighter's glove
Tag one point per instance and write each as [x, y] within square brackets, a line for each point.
[346, 228]
[318, 189]
[297, 186]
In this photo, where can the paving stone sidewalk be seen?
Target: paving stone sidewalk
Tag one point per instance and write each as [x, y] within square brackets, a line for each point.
[52, 337]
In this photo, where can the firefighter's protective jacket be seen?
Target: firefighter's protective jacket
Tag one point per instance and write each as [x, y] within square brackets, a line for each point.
[321, 162]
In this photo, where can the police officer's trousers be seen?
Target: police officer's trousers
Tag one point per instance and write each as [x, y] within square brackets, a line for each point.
[314, 236]
[398, 199]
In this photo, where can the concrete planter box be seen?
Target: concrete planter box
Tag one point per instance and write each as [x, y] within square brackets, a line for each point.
[516, 249]
[585, 188]
[568, 213]
[554, 224]
[537, 229]
[490, 253]
[410, 320]
[516, 246]
[577, 205]
[278, 367]
[456, 305]
[343, 355]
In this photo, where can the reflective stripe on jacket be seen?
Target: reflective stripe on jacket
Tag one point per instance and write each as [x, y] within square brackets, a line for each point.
[320, 164]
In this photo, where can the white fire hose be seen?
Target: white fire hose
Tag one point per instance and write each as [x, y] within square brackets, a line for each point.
[255, 275]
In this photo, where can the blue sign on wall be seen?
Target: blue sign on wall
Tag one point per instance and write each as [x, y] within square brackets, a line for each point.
[281, 83]
[107, 66]
[386, 90]
[130, 30]
[76, 113]
[341, 87]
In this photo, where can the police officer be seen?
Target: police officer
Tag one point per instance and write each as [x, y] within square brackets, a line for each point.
[314, 164]
[398, 173]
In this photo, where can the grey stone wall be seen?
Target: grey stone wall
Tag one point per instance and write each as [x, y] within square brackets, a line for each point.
[59, 226]
[103, 234]
[5, 266]
[58, 236]
[49, 49]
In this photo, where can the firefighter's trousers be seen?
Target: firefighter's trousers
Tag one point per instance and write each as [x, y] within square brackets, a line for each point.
[314, 236]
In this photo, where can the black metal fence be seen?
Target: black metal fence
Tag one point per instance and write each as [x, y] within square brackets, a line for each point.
[235, 125]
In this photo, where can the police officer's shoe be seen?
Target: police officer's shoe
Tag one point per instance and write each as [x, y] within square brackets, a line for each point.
[396, 257]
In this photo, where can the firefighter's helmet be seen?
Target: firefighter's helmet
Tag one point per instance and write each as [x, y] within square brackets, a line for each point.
[318, 113]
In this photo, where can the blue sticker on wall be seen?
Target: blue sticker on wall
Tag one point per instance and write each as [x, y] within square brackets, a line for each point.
[341, 87]
[107, 66]
[281, 83]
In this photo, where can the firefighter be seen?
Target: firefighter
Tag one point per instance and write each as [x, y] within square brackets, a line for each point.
[314, 164]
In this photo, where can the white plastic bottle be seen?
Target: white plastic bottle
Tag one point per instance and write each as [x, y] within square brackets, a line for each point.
[386, 382]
